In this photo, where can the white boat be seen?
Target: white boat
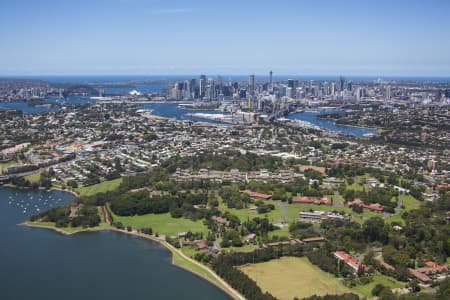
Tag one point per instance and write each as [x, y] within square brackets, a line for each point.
[368, 134]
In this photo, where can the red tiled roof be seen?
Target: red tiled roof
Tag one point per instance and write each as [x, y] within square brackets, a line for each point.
[308, 200]
[443, 186]
[436, 267]
[422, 277]
[375, 206]
[386, 266]
[257, 195]
[351, 261]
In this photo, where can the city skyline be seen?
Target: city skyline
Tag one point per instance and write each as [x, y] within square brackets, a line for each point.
[323, 38]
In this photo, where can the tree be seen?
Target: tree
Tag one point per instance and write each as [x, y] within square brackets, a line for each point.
[386, 294]
[72, 183]
[444, 289]
[377, 289]
[357, 209]
[414, 285]
[374, 230]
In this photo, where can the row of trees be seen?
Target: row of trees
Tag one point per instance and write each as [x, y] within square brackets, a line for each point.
[140, 203]
[224, 162]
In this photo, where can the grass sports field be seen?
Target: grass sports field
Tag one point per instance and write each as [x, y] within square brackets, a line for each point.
[290, 277]
[162, 223]
[102, 187]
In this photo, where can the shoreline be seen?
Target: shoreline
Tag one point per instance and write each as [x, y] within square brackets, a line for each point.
[72, 192]
[224, 286]
[346, 125]
[376, 129]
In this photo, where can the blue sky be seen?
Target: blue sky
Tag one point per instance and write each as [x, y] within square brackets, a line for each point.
[396, 37]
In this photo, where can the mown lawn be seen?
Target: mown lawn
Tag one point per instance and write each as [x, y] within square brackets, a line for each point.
[162, 223]
[5, 165]
[245, 214]
[366, 290]
[357, 187]
[290, 277]
[36, 177]
[182, 262]
[284, 232]
[411, 203]
[395, 218]
[294, 209]
[102, 187]
[189, 251]
[244, 248]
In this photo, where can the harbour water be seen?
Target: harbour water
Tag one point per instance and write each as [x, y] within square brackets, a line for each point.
[167, 110]
[26, 108]
[311, 117]
[41, 264]
[171, 110]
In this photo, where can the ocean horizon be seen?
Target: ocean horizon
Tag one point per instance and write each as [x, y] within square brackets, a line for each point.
[240, 77]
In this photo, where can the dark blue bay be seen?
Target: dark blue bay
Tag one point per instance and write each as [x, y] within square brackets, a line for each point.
[41, 264]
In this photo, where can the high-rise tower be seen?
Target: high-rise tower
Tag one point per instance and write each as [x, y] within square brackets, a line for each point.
[251, 85]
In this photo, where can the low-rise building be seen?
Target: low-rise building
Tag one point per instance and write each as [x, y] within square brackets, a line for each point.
[350, 261]
[376, 207]
[310, 200]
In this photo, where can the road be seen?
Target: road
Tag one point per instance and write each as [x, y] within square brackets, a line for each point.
[283, 210]
[337, 200]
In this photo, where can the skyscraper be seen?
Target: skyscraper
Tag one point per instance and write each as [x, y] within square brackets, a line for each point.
[341, 83]
[211, 89]
[202, 86]
[251, 85]
[270, 88]
[292, 87]
[219, 84]
[187, 90]
[388, 92]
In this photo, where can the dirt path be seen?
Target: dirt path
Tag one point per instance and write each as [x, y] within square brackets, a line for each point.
[106, 214]
[398, 209]
[337, 200]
